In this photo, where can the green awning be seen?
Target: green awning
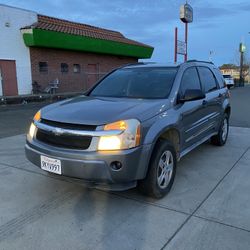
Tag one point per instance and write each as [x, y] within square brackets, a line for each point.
[59, 40]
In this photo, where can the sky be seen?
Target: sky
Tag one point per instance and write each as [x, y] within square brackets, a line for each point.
[218, 25]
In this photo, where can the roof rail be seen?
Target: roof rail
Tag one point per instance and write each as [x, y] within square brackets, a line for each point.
[200, 61]
[138, 63]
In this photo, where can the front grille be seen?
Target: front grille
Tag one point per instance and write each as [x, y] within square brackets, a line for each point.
[68, 125]
[64, 141]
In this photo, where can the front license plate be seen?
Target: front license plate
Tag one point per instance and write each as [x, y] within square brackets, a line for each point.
[51, 165]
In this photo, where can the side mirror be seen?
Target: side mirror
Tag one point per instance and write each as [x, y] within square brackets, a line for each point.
[192, 95]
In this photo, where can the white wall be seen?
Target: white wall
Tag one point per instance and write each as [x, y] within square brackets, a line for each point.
[12, 46]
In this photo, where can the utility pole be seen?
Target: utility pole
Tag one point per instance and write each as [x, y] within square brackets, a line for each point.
[175, 44]
[242, 50]
[186, 41]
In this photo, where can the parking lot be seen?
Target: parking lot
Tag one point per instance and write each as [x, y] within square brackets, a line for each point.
[207, 208]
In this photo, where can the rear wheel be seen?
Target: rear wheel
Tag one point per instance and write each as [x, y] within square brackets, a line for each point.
[161, 172]
[221, 138]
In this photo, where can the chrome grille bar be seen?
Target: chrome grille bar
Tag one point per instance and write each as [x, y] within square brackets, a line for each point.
[62, 131]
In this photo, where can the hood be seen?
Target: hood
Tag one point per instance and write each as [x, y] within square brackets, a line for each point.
[102, 110]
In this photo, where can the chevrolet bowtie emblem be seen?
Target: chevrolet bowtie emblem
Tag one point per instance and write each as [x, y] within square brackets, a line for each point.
[58, 131]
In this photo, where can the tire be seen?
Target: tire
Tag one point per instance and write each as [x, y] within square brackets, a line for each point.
[155, 184]
[221, 138]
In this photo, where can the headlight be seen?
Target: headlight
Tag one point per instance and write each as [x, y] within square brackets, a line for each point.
[129, 137]
[37, 116]
[32, 130]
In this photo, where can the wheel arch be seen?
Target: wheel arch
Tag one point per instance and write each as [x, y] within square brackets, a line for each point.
[171, 134]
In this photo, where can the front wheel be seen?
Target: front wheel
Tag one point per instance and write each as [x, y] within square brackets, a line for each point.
[221, 138]
[161, 172]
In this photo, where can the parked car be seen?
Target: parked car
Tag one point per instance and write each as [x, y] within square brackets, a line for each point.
[133, 126]
[229, 81]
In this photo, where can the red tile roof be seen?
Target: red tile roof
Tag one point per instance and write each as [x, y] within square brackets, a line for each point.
[60, 25]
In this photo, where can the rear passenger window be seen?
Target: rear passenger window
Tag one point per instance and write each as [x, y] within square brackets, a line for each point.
[207, 79]
[190, 80]
[220, 78]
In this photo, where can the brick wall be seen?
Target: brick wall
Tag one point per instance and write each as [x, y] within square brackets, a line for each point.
[70, 81]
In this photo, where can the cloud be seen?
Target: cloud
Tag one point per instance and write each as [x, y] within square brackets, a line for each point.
[153, 21]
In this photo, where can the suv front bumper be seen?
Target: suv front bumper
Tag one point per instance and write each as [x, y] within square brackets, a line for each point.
[94, 167]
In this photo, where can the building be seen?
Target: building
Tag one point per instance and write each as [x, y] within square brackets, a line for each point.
[39, 51]
[234, 71]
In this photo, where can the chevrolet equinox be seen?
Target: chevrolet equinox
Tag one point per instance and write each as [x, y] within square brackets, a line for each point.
[133, 126]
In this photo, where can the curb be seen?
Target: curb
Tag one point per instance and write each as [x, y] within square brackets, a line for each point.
[24, 99]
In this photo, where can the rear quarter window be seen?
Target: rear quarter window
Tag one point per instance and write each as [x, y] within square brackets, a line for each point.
[208, 79]
[220, 78]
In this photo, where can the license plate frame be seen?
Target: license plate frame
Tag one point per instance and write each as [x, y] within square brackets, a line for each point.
[51, 165]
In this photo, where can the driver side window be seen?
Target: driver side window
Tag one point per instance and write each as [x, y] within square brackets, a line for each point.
[190, 80]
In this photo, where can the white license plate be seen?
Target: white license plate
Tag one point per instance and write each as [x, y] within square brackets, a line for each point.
[51, 165]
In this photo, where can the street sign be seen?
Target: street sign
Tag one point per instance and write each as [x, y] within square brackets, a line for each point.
[181, 48]
[186, 13]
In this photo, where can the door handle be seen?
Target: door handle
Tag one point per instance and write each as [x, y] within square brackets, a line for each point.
[204, 102]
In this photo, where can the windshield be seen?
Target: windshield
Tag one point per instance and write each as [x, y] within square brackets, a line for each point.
[137, 83]
[227, 76]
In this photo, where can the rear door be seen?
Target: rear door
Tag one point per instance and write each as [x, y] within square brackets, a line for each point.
[213, 97]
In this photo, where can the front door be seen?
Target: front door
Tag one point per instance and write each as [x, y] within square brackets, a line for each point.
[193, 119]
[8, 77]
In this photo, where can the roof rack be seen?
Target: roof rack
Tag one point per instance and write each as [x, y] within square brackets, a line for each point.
[200, 61]
[138, 63]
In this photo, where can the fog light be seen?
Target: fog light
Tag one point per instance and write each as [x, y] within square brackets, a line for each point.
[116, 165]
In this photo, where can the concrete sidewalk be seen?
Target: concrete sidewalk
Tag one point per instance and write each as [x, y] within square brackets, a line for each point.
[208, 207]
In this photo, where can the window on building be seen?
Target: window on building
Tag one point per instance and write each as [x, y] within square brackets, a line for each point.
[76, 68]
[64, 68]
[43, 67]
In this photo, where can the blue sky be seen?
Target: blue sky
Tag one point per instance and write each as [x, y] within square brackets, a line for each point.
[218, 26]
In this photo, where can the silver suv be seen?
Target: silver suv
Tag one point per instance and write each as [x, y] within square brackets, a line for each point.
[133, 126]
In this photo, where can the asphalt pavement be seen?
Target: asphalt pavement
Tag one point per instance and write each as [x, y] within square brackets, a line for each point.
[15, 119]
[240, 102]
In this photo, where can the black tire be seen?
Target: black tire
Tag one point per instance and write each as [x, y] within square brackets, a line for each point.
[149, 186]
[219, 139]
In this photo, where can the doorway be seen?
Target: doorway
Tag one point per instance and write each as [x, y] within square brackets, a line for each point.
[8, 79]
